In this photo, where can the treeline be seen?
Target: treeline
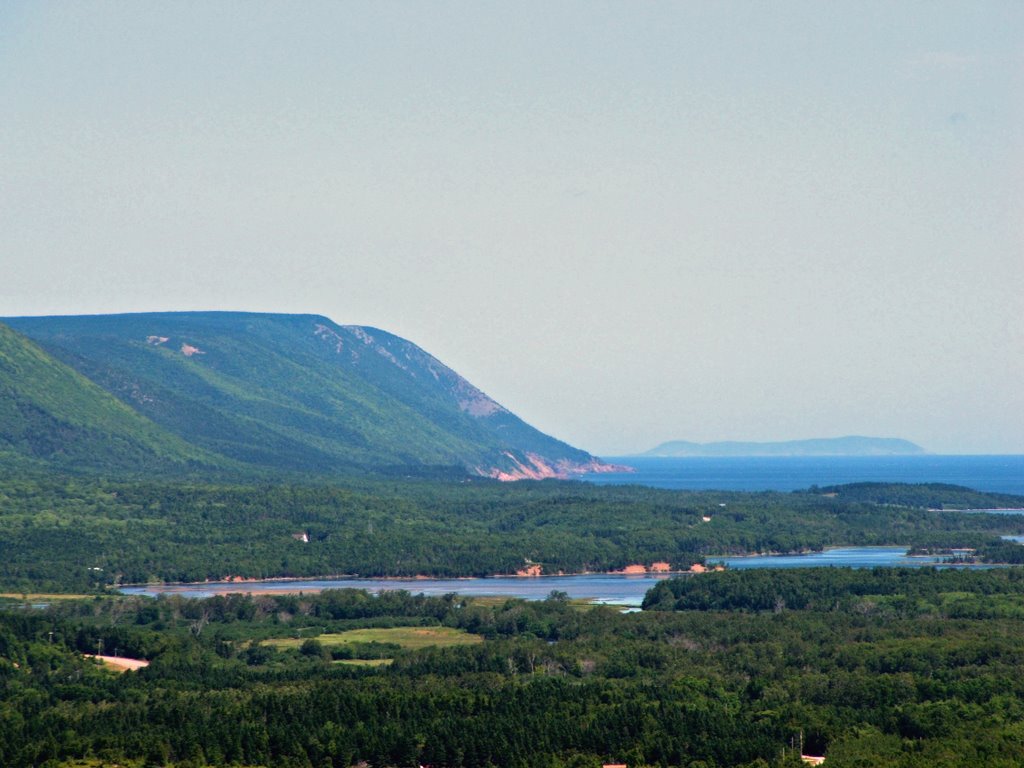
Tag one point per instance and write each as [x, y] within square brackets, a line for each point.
[908, 590]
[933, 680]
[82, 534]
[922, 495]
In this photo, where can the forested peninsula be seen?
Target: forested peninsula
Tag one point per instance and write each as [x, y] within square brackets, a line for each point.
[86, 534]
[853, 445]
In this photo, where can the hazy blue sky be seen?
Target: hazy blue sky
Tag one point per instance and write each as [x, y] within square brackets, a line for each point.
[628, 222]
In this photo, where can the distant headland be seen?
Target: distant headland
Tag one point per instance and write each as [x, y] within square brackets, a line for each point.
[824, 446]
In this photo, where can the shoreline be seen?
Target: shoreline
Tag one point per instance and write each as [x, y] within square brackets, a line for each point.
[712, 562]
[980, 509]
[225, 584]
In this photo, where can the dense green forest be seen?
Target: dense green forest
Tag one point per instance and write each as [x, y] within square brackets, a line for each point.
[83, 534]
[873, 668]
[907, 668]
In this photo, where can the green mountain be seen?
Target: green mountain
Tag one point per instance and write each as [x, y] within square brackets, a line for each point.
[49, 414]
[297, 393]
[827, 446]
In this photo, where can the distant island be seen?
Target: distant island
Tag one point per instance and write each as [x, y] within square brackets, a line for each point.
[824, 446]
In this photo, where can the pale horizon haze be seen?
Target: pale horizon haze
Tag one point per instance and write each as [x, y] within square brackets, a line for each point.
[626, 222]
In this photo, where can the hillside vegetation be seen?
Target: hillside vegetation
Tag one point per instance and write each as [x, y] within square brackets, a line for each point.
[279, 393]
[51, 414]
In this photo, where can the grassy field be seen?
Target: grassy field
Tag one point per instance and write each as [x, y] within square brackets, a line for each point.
[364, 662]
[41, 596]
[493, 601]
[410, 638]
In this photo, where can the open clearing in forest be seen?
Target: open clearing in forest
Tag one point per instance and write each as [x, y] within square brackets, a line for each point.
[118, 663]
[493, 601]
[42, 596]
[410, 638]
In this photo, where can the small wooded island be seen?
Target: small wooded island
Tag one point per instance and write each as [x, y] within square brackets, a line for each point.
[825, 446]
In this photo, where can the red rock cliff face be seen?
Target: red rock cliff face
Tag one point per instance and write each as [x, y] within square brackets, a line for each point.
[539, 468]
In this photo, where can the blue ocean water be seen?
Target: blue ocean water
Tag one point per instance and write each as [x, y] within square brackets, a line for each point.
[997, 474]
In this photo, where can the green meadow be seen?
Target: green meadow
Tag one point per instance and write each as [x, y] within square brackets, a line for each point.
[409, 638]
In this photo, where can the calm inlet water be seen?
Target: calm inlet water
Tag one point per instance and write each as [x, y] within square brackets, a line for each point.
[851, 557]
[997, 474]
[613, 589]
[610, 589]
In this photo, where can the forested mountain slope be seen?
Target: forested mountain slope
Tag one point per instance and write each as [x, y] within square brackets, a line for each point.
[299, 393]
[49, 414]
